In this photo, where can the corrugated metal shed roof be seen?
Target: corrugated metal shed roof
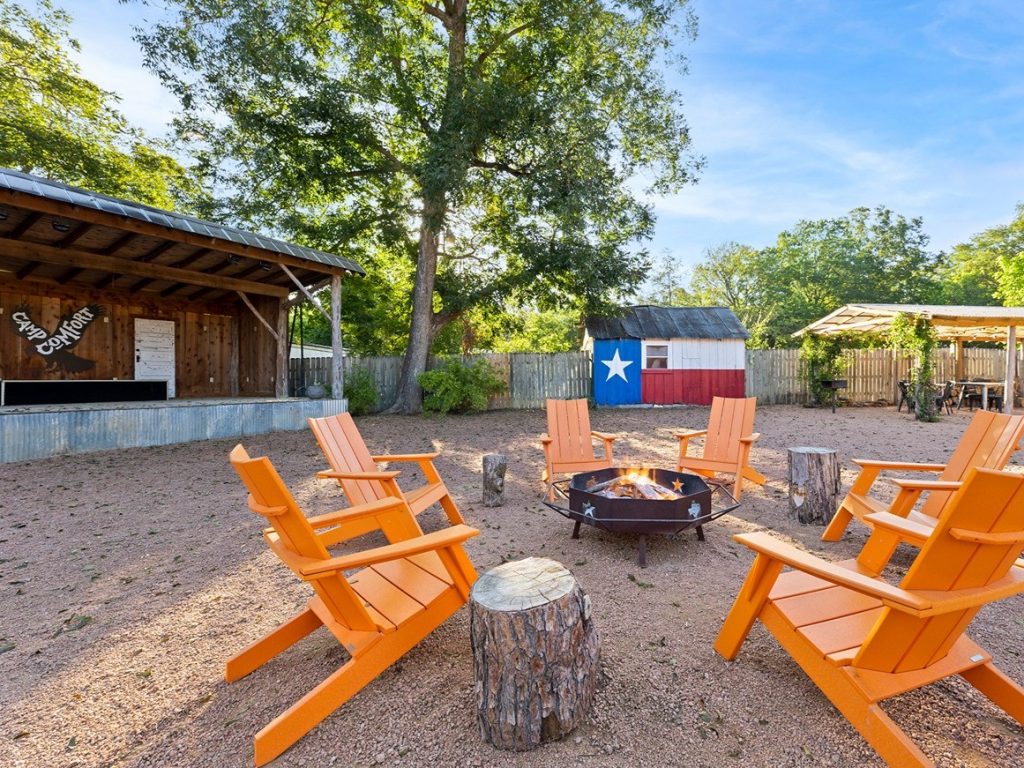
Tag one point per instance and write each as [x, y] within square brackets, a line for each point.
[647, 322]
[63, 193]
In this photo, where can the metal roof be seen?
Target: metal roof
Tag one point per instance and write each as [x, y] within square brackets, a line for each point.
[27, 184]
[950, 321]
[649, 322]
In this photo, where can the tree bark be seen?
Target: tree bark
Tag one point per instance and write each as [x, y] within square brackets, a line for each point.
[813, 484]
[446, 165]
[495, 465]
[535, 653]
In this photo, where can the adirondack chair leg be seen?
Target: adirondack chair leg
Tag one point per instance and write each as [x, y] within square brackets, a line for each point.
[292, 724]
[998, 688]
[262, 651]
[878, 550]
[748, 605]
[877, 728]
[837, 526]
[751, 474]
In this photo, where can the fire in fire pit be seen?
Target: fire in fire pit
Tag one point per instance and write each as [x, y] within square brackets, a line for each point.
[642, 501]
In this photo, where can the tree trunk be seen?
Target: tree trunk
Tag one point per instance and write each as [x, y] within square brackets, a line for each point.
[535, 653]
[813, 484]
[495, 465]
[446, 164]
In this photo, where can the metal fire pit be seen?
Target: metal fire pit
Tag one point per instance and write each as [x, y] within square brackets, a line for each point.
[699, 503]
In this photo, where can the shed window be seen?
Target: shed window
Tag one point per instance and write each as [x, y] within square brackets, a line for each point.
[657, 356]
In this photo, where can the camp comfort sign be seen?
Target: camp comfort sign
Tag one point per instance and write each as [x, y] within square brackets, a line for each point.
[55, 347]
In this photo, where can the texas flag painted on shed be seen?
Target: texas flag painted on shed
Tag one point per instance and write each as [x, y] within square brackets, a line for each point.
[617, 371]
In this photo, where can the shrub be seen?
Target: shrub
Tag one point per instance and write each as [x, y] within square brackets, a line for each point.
[361, 391]
[457, 388]
[916, 335]
[821, 357]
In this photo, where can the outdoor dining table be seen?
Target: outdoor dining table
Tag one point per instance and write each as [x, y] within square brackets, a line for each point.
[984, 385]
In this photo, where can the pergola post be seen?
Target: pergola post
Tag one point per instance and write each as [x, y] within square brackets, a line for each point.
[959, 360]
[337, 361]
[1010, 384]
[281, 350]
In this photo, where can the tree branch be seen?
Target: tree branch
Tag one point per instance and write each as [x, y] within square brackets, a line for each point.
[497, 165]
[436, 12]
[500, 41]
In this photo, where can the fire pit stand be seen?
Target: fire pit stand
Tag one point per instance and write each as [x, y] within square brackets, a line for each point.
[642, 501]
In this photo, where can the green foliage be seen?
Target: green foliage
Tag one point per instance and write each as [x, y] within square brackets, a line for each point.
[457, 387]
[915, 334]
[58, 124]
[360, 391]
[494, 144]
[821, 357]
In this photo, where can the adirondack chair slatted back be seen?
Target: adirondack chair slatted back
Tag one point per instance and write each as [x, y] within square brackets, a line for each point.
[269, 497]
[569, 430]
[345, 450]
[988, 442]
[990, 502]
[731, 418]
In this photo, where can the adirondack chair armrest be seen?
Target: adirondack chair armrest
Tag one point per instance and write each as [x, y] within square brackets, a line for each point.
[354, 513]
[907, 466]
[751, 438]
[689, 433]
[604, 436]
[929, 485]
[407, 457]
[962, 599]
[330, 474]
[430, 542]
[837, 574]
[900, 525]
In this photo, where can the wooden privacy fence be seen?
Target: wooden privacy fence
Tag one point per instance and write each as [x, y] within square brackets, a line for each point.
[773, 375]
[529, 378]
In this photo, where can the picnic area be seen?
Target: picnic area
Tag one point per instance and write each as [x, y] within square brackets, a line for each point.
[135, 574]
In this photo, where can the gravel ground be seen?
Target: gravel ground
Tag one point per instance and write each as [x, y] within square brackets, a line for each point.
[129, 577]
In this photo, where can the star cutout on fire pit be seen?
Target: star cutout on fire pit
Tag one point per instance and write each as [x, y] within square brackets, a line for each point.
[677, 486]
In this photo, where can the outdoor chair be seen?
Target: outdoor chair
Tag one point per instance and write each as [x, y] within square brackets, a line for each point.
[568, 444]
[905, 396]
[727, 443]
[944, 398]
[862, 640]
[400, 593]
[362, 482]
[971, 394]
[989, 441]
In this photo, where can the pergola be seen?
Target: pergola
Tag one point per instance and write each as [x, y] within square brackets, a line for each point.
[951, 323]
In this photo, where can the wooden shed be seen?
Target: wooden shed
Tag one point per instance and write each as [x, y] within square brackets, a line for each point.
[667, 355]
[106, 300]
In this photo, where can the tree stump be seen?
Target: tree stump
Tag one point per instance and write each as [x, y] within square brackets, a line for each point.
[813, 484]
[495, 465]
[535, 653]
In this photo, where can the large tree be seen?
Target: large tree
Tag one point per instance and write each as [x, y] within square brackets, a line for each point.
[495, 144]
[56, 123]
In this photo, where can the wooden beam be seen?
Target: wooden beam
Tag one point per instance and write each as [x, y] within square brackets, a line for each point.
[281, 358]
[75, 235]
[24, 226]
[260, 317]
[1010, 384]
[306, 292]
[86, 260]
[959, 359]
[110, 250]
[116, 221]
[188, 261]
[337, 360]
[28, 269]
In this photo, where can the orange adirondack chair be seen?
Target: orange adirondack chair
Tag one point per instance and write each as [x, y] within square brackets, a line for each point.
[568, 444]
[727, 442]
[862, 640]
[403, 591]
[357, 474]
[989, 442]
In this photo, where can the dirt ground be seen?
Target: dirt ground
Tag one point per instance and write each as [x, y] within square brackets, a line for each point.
[129, 577]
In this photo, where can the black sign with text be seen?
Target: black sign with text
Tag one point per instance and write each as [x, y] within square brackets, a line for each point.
[55, 346]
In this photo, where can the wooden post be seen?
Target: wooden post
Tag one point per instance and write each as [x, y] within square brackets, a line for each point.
[813, 484]
[495, 465]
[535, 653]
[959, 375]
[281, 363]
[1010, 382]
[337, 350]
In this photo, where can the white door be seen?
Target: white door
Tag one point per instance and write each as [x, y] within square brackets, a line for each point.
[154, 351]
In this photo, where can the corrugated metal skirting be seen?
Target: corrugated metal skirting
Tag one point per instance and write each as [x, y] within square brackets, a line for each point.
[36, 434]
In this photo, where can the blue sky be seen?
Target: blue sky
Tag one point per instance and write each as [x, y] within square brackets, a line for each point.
[803, 109]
